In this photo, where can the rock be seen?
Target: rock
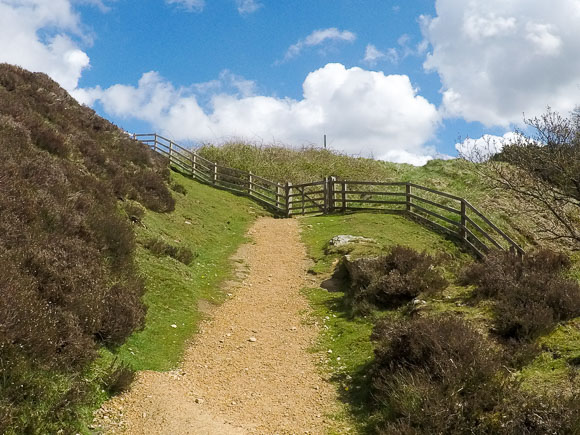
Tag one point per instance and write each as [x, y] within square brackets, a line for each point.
[419, 302]
[174, 326]
[199, 400]
[252, 339]
[343, 239]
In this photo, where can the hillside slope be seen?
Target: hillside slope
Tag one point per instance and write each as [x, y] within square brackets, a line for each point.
[313, 164]
[69, 284]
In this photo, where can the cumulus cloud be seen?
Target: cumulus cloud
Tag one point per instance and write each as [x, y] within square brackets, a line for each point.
[58, 55]
[481, 149]
[498, 59]
[363, 112]
[319, 37]
[246, 7]
[188, 5]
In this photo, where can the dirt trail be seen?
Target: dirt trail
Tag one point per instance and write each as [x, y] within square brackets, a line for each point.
[249, 369]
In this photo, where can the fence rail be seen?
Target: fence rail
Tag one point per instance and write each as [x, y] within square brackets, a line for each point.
[440, 210]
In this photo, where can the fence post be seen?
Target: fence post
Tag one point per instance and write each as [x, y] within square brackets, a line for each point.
[250, 184]
[408, 196]
[288, 200]
[134, 136]
[303, 201]
[193, 164]
[155, 142]
[278, 195]
[170, 150]
[325, 190]
[331, 193]
[462, 228]
[344, 187]
[215, 173]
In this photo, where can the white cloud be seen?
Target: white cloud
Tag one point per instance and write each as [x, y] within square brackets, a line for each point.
[246, 7]
[58, 55]
[319, 37]
[373, 55]
[362, 112]
[481, 149]
[498, 59]
[189, 5]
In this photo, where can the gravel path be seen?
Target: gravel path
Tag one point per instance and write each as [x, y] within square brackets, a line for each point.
[249, 369]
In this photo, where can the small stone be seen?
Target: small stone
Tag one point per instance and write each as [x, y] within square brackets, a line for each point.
[199, 400]
[174, 326]
[187, 223]
[329, 350]
[294, 328]
[252, 339]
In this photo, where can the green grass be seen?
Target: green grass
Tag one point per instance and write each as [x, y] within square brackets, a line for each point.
[313, 164]
[387, 229]
[348, 338]
[211, 223]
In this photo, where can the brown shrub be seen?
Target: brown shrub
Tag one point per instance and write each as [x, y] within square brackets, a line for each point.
[394, 279]
[68, 281]
[160, 248]
[432, 375]
[179, 188]
[118, 378]
[531, 294]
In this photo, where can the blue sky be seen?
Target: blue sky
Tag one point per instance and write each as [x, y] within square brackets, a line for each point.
[398, 80]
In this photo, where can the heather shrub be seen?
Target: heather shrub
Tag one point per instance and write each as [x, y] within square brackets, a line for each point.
[118, 378]
[135, 211]
[68, 281]
[530, 294]
[161, 248]
[394, 279]
[179, 188]
[433, 375]
[152, 191]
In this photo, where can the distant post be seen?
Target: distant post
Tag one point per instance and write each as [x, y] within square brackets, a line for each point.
[331, 193]
[344, 187]
[215, 173]
[288, 199]
[324, 141]
[463, 228]
[250, 184]
[408, 196]
[278, 195]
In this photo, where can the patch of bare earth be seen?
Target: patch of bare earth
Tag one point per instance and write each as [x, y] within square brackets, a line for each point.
[249, 369]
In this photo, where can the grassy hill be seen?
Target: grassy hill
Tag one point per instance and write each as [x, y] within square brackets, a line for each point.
[456, 176]
[105, 255]
[109, 261]
[534, 387]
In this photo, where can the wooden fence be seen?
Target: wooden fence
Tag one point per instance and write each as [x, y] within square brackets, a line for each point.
[439, 210]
